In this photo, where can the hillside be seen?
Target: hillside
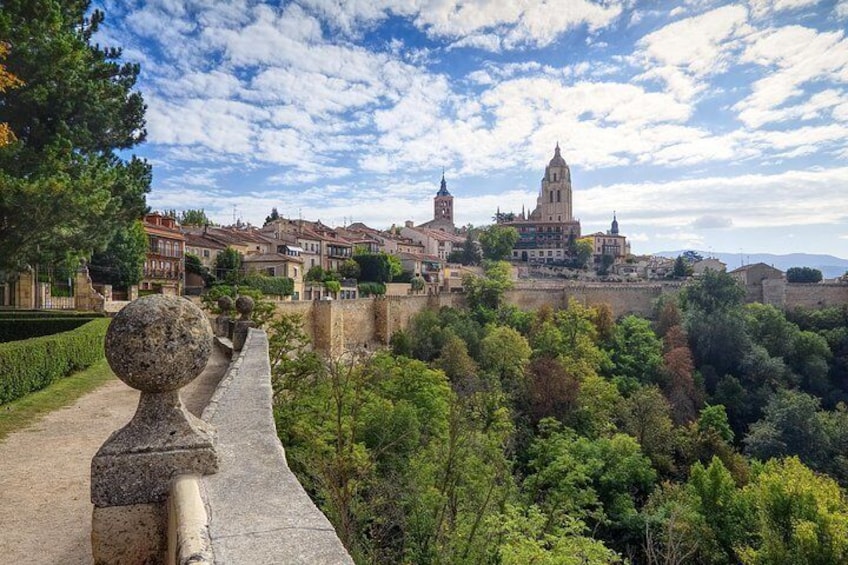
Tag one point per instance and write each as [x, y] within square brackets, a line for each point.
[829, 265]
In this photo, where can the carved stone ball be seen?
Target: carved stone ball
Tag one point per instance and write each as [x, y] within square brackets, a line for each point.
[158, 343]
[225, 303]
[244, 306]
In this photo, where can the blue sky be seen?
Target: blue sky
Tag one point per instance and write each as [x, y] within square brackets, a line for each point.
[708, 125]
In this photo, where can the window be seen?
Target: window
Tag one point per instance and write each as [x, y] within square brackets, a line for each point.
[206, 253]
[554, 177]
[551, 194]
[559, 194]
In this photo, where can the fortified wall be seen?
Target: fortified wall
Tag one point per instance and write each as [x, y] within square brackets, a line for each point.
[339, 325]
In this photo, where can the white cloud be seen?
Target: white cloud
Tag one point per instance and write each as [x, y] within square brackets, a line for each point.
[794, 57]
[682, 53]
[709, 221]
[760, 8]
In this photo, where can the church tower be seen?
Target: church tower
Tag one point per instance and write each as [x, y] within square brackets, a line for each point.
[443, 204]
[554, 201]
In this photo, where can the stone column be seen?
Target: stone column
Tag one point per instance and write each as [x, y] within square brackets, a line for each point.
[156, 344]
[222, 322]
[244, 306]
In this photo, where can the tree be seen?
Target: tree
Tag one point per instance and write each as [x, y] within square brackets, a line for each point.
[488, 291]
[193, 264]
[228, 266]
[714, 291]
[646, 416]
[637, 351]
[497, 242]
[65, 188]
[272, 217]
[581, 251]
[121, 264]
[194, 217]
[681, 268]
[350, 269]
[504, 352]
[801, 517]
[607, 261]
[471, 252]
[803, 275]
[315, 274]
[375, 267]
[7, 81]
[692, 257]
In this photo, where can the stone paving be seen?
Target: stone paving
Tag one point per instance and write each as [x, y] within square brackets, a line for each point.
[45, 509]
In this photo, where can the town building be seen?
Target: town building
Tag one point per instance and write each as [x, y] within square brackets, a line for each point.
[164, 265]
[610, 244]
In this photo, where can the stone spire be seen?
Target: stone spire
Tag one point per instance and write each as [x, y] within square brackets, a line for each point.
[443, 188]
[614, 227]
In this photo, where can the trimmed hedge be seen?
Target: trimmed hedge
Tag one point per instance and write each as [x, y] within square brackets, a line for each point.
[32, 364]
[16, 329]
[48, 314]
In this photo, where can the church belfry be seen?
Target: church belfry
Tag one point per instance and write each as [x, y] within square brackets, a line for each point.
[443, 203]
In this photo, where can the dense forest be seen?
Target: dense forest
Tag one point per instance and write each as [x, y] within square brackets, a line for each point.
[716, 433]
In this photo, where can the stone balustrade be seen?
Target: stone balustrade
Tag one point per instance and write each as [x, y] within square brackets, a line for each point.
[172, 488]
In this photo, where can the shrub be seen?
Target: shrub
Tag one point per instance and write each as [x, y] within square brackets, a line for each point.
[32, 364]
[16, 329]
[372, 288]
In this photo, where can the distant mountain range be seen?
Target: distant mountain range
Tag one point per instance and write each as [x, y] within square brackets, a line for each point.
[830, 266]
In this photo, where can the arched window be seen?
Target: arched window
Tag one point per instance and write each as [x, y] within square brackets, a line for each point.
[551, 194]
[559, 199]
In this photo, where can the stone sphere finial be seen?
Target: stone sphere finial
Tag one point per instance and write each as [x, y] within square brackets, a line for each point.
[225, 303]
[244, 306]
[159, 343]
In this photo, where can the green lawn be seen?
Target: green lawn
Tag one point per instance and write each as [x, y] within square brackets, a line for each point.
[20, 413]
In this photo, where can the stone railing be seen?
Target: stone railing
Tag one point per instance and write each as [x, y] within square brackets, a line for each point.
[173, 488]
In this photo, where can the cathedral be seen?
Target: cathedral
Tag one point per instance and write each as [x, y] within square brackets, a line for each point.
[544, 235]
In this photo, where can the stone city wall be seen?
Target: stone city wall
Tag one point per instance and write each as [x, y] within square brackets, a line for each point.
[815, 295]
[339, 325]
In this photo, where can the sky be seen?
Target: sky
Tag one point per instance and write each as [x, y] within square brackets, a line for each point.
[708, 125]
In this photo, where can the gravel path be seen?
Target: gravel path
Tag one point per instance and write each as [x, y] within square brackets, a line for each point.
[45, 510]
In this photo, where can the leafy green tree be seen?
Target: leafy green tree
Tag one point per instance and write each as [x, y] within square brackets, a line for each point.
[525, 535]
[350, 269]
[724, 511]
[803, 275]
[315, 274]
[195, 217]
[121, 264]
[375, 267]
[801, 517]
[504, 352]
[581, 251]
[228, 266]
[794, 424]
[395, 266]
[488, 291]
[66, 190]
[637, 351]
[600, 480]
[646, 415]
[497, 242]
[714, 291]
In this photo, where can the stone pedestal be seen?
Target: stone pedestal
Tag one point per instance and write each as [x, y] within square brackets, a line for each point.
[156, 344]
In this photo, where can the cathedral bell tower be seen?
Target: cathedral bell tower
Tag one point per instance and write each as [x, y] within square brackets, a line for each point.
[554, 201]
